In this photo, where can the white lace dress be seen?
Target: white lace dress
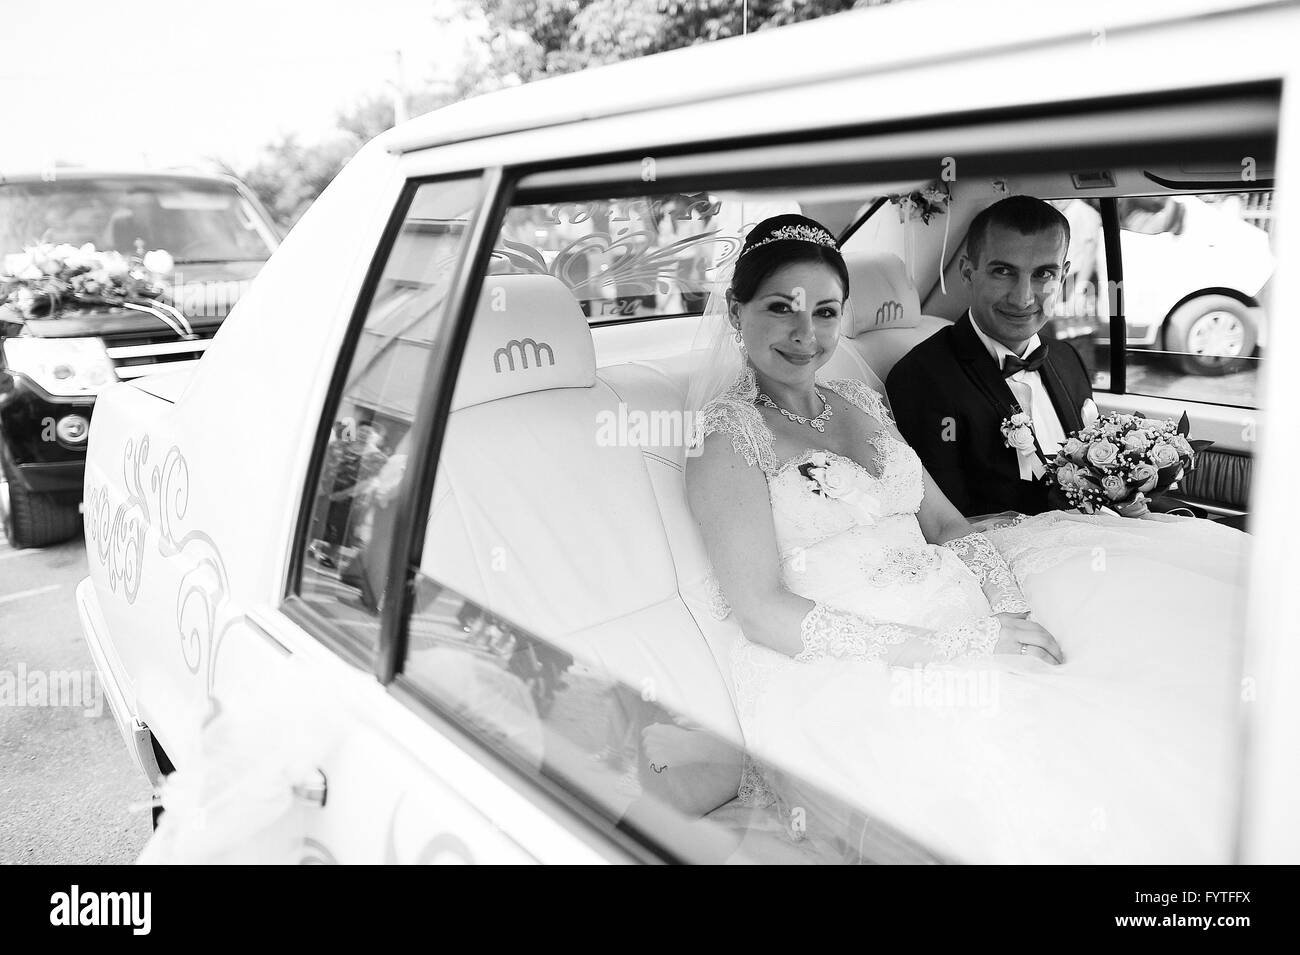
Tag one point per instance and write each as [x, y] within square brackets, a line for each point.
[1122, 754]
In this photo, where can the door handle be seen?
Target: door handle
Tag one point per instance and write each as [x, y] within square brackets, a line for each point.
[312, 790]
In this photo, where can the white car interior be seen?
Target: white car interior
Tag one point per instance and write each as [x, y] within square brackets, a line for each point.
[602, 555]
[595, 548]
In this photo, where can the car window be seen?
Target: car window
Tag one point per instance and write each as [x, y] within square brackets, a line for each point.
[1197, 273]
[632, 257]
[362, 461]
[194, 220]
[546, 615]
[1082, 314]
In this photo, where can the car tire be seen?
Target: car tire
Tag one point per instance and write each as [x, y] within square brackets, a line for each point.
[166, 768]
[35, 520]
[1211, 335]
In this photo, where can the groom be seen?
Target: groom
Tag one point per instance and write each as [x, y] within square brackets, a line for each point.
[951, 393]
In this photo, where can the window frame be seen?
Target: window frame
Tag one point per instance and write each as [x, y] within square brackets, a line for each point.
[739, 161]
[1111, 235]
[294, 606]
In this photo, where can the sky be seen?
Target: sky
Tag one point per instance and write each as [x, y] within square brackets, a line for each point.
[177, 82]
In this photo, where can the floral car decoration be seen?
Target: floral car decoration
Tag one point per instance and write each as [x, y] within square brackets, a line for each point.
[45, 280]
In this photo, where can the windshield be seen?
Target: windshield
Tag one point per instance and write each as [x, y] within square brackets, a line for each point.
[194, 220]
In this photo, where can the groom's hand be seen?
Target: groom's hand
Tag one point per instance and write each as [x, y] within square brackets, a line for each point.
[1019, 632]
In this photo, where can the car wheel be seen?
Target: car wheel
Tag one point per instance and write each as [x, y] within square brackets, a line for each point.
[166, 768]
[34, 520]
[1211, 335]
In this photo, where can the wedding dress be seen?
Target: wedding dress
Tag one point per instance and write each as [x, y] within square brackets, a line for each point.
[1124, 753]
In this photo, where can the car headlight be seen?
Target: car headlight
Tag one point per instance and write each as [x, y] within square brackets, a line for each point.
[62, 366]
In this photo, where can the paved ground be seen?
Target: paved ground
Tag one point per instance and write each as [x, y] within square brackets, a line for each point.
[65, 778]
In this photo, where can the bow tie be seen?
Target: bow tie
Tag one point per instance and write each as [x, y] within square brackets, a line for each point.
[1011, 364]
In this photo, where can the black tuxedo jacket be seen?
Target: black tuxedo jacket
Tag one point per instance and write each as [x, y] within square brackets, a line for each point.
[949, 398]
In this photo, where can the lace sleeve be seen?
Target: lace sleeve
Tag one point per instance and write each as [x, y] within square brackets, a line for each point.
[983, 560]
[743, 423]
[864, 397]
[828, 632]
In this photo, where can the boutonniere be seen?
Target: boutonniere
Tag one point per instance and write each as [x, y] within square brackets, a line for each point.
[1018, 430]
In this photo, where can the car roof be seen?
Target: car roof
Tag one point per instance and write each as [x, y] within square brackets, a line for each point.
[867, 42]
[75, 173]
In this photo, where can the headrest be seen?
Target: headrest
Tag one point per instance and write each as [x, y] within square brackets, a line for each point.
[881, 294]
[529, 334]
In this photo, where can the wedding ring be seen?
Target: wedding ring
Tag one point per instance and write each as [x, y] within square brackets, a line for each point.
[1024, 648]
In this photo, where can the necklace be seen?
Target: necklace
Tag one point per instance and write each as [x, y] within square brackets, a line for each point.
[817, 424]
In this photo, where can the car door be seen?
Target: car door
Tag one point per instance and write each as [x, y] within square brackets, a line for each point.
[1190, 275]
[344, 772]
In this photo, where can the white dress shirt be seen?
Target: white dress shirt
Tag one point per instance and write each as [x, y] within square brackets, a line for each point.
[1027, 387]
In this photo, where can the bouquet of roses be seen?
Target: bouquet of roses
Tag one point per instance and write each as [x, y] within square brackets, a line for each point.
[45, 277]
[1121, 460]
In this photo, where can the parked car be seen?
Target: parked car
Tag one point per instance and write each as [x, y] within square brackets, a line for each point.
[53, 365]
[409, 549]
[1193, 275]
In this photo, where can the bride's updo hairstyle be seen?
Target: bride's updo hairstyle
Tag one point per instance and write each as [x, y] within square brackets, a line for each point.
[779, 241]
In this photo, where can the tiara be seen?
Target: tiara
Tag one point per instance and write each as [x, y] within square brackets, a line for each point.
[798, 232]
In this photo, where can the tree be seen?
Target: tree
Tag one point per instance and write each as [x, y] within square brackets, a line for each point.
[573, 34]
[522, 41]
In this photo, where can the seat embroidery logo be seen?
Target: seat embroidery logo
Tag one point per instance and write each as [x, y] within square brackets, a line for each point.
[889, 313]
[521, 347]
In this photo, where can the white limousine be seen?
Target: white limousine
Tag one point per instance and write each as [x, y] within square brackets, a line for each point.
[404, 570]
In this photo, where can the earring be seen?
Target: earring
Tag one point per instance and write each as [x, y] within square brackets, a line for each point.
[736, 334]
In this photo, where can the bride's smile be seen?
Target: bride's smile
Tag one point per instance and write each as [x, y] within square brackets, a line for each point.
[789, 328]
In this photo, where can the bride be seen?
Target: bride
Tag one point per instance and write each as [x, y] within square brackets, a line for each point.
[1057, 689]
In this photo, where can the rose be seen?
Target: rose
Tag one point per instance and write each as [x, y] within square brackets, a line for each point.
[1137, 441]
[1183, 446]
[1145, 476]
[837, 480]
[1114, 487]
[16, 262]
[1021, 438]
[46, 262]
[83, 258]
[113, 264]
[1074, 449]
[1087, 481]
[158, 262]
[1164, 455]
[1067, 475]
[21, 265]
[1102, 453]
[1020, 419]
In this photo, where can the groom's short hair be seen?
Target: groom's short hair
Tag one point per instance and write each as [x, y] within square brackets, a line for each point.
[1027, 215]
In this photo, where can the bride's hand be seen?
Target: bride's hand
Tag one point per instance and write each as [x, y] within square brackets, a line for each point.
[1018, 633]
